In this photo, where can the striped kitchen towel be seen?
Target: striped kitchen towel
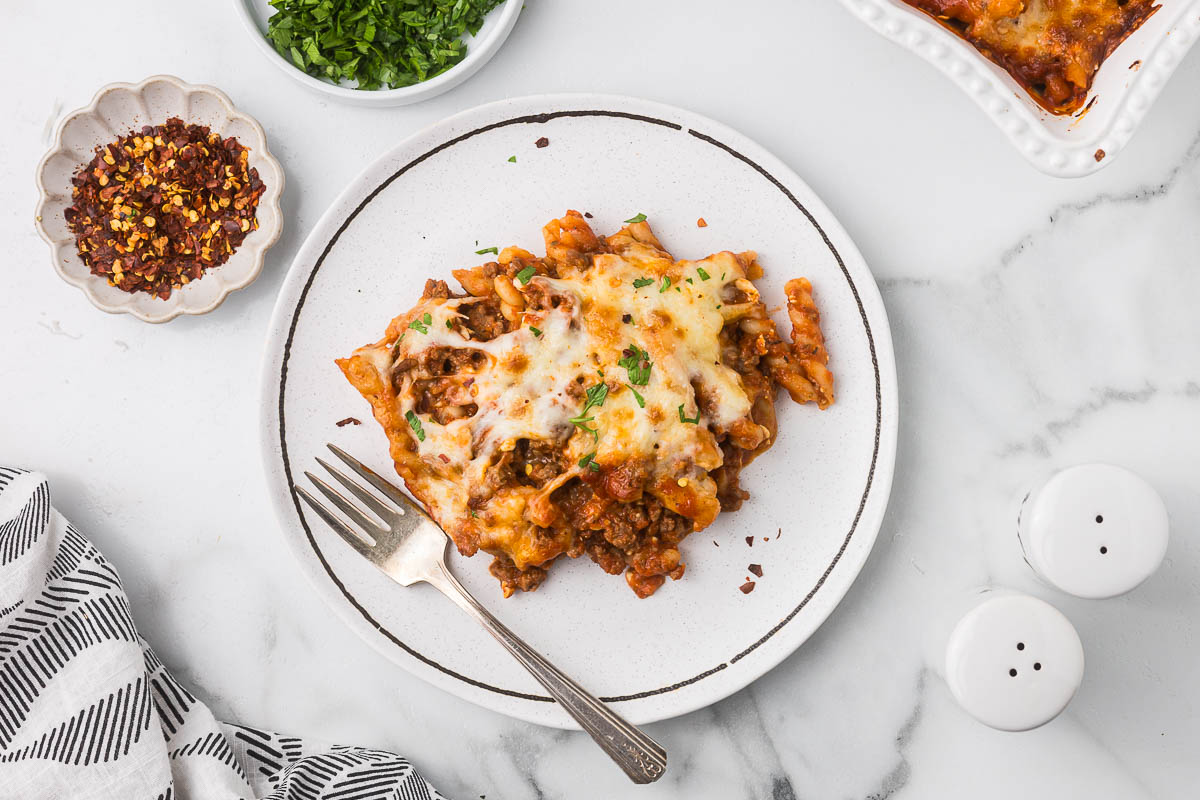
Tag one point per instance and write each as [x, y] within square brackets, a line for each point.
[88, 712]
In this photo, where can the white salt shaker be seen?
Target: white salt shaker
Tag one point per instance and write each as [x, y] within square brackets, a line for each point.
[1012, 661]
[1094, 530]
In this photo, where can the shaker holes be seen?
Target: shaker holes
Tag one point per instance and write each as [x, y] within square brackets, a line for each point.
[1012, 673]
[1103, 550]
[1099, 519]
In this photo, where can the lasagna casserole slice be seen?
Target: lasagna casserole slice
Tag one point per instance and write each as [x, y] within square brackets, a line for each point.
[1053, 48]
[600, 400]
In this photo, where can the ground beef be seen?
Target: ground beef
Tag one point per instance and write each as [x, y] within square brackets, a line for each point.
[484, 318]
[436, 289]
[451, 360]
[513, 579]
[536, 463]
[638, 536]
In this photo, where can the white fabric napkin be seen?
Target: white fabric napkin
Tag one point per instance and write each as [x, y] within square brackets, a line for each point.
[88, 712]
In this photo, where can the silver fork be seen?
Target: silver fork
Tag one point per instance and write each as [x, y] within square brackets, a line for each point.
[410, 547]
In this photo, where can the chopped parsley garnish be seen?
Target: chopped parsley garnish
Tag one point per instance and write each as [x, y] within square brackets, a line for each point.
[422, 325]
[722, 276]
[596, 394]
[486, 250]
[666, 284]
[526, 274]
[640, 282]
[689, 280]
[702, 273]
[637, 363]
[473, 514]
[638, 218]
[581, 422]
[449, 323]
[415, 424]
[512, 159]
[536, 332]
[692, 421]
[375, 43]
[589, 461]
[641, 401]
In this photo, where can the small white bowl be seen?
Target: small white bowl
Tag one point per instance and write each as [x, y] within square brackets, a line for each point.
[1068, 146]
[115, 110]
[496, 27]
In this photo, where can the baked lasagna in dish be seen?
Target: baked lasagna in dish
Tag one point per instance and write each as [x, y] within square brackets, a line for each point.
[597, 401]
[1053, 48]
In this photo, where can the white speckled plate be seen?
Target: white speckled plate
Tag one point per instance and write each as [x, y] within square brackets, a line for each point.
[1066, 146]
[817, 497]
[115, 110]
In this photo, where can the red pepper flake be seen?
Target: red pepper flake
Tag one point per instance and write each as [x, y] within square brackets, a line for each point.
[587, 214]
[156, 208]
[747, 587]
[443, 457]
[542, 142]
[756, 569]
[1135, 66]
[750, 541]
[347, 421]
[700, 223]
[1100, 155]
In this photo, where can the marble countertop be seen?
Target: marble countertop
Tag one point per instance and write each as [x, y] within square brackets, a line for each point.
[1038, 322]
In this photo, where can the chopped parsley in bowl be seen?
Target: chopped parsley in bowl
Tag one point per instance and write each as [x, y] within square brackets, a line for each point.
[380, 52]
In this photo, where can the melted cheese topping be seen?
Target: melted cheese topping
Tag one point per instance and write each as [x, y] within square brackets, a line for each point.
[533, 386]
[1052, 47]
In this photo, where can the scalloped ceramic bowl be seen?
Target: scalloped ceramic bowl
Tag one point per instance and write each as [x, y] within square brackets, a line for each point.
[114, 111]
[1071, 146]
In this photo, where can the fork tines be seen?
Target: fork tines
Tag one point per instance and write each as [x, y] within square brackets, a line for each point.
[370, 528]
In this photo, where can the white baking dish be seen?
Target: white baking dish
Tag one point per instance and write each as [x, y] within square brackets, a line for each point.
[1067, 146]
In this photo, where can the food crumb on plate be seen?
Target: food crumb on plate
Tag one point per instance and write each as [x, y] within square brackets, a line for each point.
[700, 223]
[348, 421]
[542, 142]
[756, 570]
[747, 587]
[750, 541]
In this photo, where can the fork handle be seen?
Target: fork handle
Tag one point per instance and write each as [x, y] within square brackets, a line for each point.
[641, 758]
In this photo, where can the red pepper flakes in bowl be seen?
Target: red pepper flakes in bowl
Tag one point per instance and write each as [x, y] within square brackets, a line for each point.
[155, 209]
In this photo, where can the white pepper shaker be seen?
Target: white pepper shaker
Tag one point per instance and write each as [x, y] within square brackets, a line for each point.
[1012, 661]
[1094, 530]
